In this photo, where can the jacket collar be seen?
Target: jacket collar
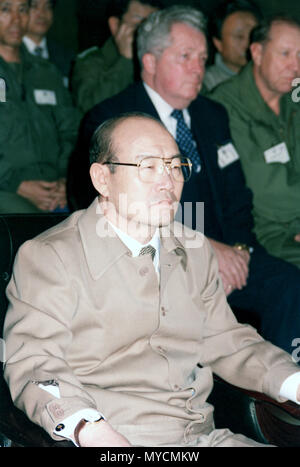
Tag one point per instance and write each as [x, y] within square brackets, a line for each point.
[103, 248]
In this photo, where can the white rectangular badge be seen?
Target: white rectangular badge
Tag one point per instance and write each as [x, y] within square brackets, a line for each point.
[227, 154]
[45, 97]
[278, 153]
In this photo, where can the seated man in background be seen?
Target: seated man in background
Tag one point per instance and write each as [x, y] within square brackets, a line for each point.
[172, 50]
[125, 318]
[41, 17]
[100, 73]
[265, 121]
[38, 124]
[229, 30]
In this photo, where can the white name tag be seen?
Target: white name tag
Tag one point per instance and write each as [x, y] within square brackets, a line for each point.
[278, 153]
[2, 90]
[45, 97]
[227, 154]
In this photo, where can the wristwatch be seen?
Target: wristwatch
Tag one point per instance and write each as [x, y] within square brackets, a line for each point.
[243, 247]
[81, 424]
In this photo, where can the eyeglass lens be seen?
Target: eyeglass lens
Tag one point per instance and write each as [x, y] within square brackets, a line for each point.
[152, 168]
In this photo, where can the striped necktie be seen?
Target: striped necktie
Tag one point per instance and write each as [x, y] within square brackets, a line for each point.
[148, 250]
[185, 140]
[38, 51]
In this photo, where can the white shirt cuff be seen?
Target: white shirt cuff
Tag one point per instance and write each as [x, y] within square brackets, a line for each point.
[289, 388]
[67, 426]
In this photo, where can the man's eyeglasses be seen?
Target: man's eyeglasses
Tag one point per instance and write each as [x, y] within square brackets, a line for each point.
[151, 169]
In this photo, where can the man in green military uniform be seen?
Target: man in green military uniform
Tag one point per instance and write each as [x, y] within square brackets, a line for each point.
[38, 124]
[100, 73]
[265, 123]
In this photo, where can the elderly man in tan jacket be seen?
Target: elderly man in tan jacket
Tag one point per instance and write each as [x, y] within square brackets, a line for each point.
[118, 316]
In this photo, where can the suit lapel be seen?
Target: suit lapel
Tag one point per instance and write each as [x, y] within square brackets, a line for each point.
[207, 146]
[143, 101]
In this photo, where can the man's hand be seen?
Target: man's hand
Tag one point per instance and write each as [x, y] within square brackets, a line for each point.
[61, 197]
[42, 194]
[233, 266]
[124, 39]
[101, 434]
[297, 238]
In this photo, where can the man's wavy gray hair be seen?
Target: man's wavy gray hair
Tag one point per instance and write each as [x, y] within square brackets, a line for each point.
[154, 33]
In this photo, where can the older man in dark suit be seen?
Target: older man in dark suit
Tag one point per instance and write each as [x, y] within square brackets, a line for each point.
[172, 50]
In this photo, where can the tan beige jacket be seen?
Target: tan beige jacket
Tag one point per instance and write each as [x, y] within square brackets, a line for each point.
[86, 313]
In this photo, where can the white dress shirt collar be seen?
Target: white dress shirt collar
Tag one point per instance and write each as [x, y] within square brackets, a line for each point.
[135, 247]
[32, 45]
[164, 110]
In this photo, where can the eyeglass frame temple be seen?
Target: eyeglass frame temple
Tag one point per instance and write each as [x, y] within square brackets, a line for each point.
[131, 164]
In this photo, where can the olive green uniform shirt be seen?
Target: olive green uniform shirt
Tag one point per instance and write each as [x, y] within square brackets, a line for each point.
[99, 74]
[273, 176]
[38, 128]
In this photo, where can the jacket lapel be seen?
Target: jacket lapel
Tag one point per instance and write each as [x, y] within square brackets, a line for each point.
[208, 147]
[143, 101]
[102, 247]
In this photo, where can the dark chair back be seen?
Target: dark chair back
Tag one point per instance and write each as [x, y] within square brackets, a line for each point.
[14, 230]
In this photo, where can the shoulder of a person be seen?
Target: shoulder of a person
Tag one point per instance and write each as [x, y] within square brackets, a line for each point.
[90, 53]
[60, 234]
[40, 64]
[207, 105]
[232, 89]
[119, 103]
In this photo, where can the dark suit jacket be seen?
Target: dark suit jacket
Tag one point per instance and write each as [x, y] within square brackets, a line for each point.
[231, 199]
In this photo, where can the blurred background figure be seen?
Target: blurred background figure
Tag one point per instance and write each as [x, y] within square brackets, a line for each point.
[229, 30]
[38, 124]
[100, 73]
[41, 15]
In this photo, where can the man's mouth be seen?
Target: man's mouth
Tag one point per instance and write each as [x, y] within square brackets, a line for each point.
[168, 200]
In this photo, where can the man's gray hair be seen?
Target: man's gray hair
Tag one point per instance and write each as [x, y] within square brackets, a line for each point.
[154, 33]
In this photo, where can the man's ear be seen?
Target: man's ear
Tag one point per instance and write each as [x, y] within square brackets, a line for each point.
[99, 176]
[256, 53]
[149, 63]
[218, 44]
[113, 24]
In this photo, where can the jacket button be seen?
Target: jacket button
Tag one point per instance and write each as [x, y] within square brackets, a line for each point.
[144, 271]
[57, 411]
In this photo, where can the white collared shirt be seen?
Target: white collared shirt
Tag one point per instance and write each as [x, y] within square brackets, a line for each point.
[32, 45]
[135, 247]
[164, 111]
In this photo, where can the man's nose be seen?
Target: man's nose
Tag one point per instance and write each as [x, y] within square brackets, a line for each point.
[166, 181]
[41, 12]
[198, 65]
